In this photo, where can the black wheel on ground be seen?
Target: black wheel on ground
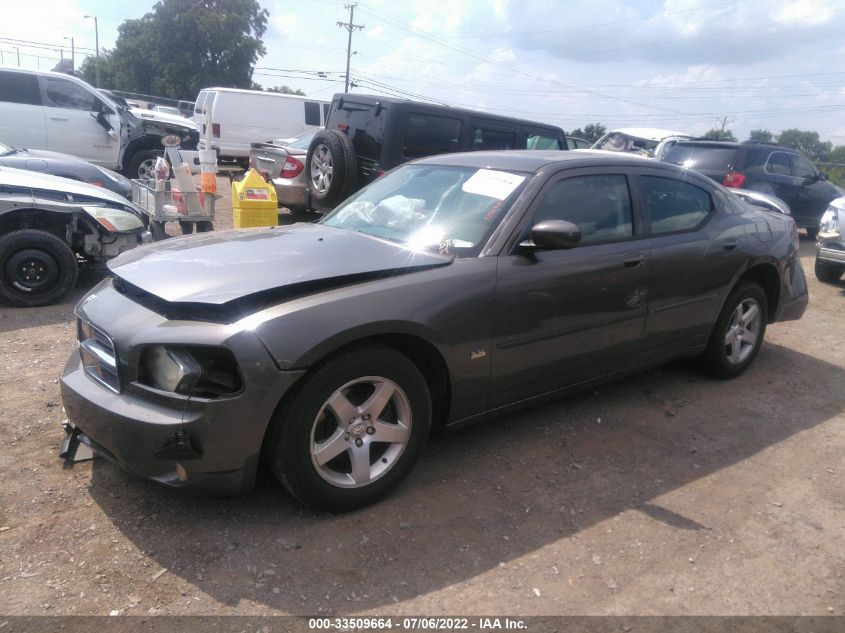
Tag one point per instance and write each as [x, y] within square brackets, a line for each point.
[186, 227]
[36, 267]
[738, 333]
[331, 167]
[828, 273]
[141, 165]
[157, 230]
[352, 430]
[812, 232]
[204, 226]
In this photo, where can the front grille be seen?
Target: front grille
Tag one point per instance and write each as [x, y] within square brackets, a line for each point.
[96, 350]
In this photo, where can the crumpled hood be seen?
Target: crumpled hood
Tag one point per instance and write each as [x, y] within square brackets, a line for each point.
[223, 266]
[46, 182]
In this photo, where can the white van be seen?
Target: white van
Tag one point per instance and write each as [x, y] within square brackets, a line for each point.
[242, 117]
[59, 113]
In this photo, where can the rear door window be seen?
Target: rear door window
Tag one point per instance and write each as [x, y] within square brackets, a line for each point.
[492, 138]
[62, 93]
[19, 88]
[200, 101]
[312, 113]
[541, 139]
[778, 164]
[674, 205]
[427, 135]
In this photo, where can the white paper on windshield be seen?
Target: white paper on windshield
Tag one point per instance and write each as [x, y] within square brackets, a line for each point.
[493, 184]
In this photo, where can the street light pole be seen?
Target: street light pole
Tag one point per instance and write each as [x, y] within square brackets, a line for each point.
[97, 52]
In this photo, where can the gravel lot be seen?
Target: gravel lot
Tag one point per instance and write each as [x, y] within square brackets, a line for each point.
[666, 493]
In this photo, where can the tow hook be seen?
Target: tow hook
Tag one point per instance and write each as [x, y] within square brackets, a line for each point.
[73, 448]
[179, 448]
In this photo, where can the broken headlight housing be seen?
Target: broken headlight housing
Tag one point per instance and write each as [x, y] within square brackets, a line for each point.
[204, 372]
[830, 220]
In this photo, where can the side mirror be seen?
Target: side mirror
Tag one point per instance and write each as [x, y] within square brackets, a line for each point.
[553, 234]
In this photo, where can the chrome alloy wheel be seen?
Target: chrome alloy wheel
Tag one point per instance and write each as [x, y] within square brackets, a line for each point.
[360, 432]
[743, 331]
[321, 168]
[146, 169]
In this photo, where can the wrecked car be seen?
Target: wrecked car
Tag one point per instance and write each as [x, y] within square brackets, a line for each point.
[452, 288]
[48, 225]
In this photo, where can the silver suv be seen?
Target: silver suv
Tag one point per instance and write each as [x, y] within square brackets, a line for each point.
[830, 248]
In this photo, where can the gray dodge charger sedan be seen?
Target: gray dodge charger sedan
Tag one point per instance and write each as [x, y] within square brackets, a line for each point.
[452, 288]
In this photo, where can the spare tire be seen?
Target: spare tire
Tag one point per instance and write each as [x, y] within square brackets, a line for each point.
[331, 167]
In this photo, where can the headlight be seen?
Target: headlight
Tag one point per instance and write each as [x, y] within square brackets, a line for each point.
[830, 220]
[114, 220]
[206, 372]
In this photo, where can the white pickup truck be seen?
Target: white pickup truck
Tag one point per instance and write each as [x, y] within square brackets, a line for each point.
[60, 113]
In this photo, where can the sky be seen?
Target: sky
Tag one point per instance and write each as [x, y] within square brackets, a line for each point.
[684, 65]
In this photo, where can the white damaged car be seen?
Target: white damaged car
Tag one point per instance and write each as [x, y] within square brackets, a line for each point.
[49, 225]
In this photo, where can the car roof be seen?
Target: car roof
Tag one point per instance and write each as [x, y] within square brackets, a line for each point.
[648, 133]
[529, 160]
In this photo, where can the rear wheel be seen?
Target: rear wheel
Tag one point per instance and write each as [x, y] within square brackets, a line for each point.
[36, 268]
[353, 430]
[828, 273]
[738, 333]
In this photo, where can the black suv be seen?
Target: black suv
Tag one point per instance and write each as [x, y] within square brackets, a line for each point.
[764, 167]
[367, 135]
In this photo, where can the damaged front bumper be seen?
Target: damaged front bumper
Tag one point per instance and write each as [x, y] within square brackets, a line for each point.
[206, 443]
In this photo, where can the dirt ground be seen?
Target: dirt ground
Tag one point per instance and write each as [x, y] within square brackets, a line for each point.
[666, 493]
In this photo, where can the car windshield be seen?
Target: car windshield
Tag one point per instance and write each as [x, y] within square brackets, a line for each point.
[619, 142]
[450, 209]
[303, 140]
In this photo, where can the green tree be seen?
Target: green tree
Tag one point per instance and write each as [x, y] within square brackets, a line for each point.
[720, 135]
[182, 46]
[837, 155]
[807, 143]
[285, 90]
[591, 132]
[762, 136]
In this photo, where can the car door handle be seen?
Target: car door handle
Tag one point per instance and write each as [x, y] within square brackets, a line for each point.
[731, 244]
[633, 261]
[59, 118]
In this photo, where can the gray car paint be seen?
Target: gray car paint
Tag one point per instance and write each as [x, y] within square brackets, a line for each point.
[484, 318]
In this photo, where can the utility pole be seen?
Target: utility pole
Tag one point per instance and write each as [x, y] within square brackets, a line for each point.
[97, 51]
[349, 26]
[72, 54]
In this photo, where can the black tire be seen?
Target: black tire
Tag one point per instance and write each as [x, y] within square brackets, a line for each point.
[157, 231]
[36, 268]
[827, 273]
[204, 226]
[140, 165]
[290, 446]
[719, 358]
[331, 167]
[812, 232]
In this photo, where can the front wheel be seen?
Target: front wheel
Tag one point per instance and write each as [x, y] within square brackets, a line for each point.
[142, 164]
[353, 430]
[738, 333]
[827, 273]
[36, 268]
